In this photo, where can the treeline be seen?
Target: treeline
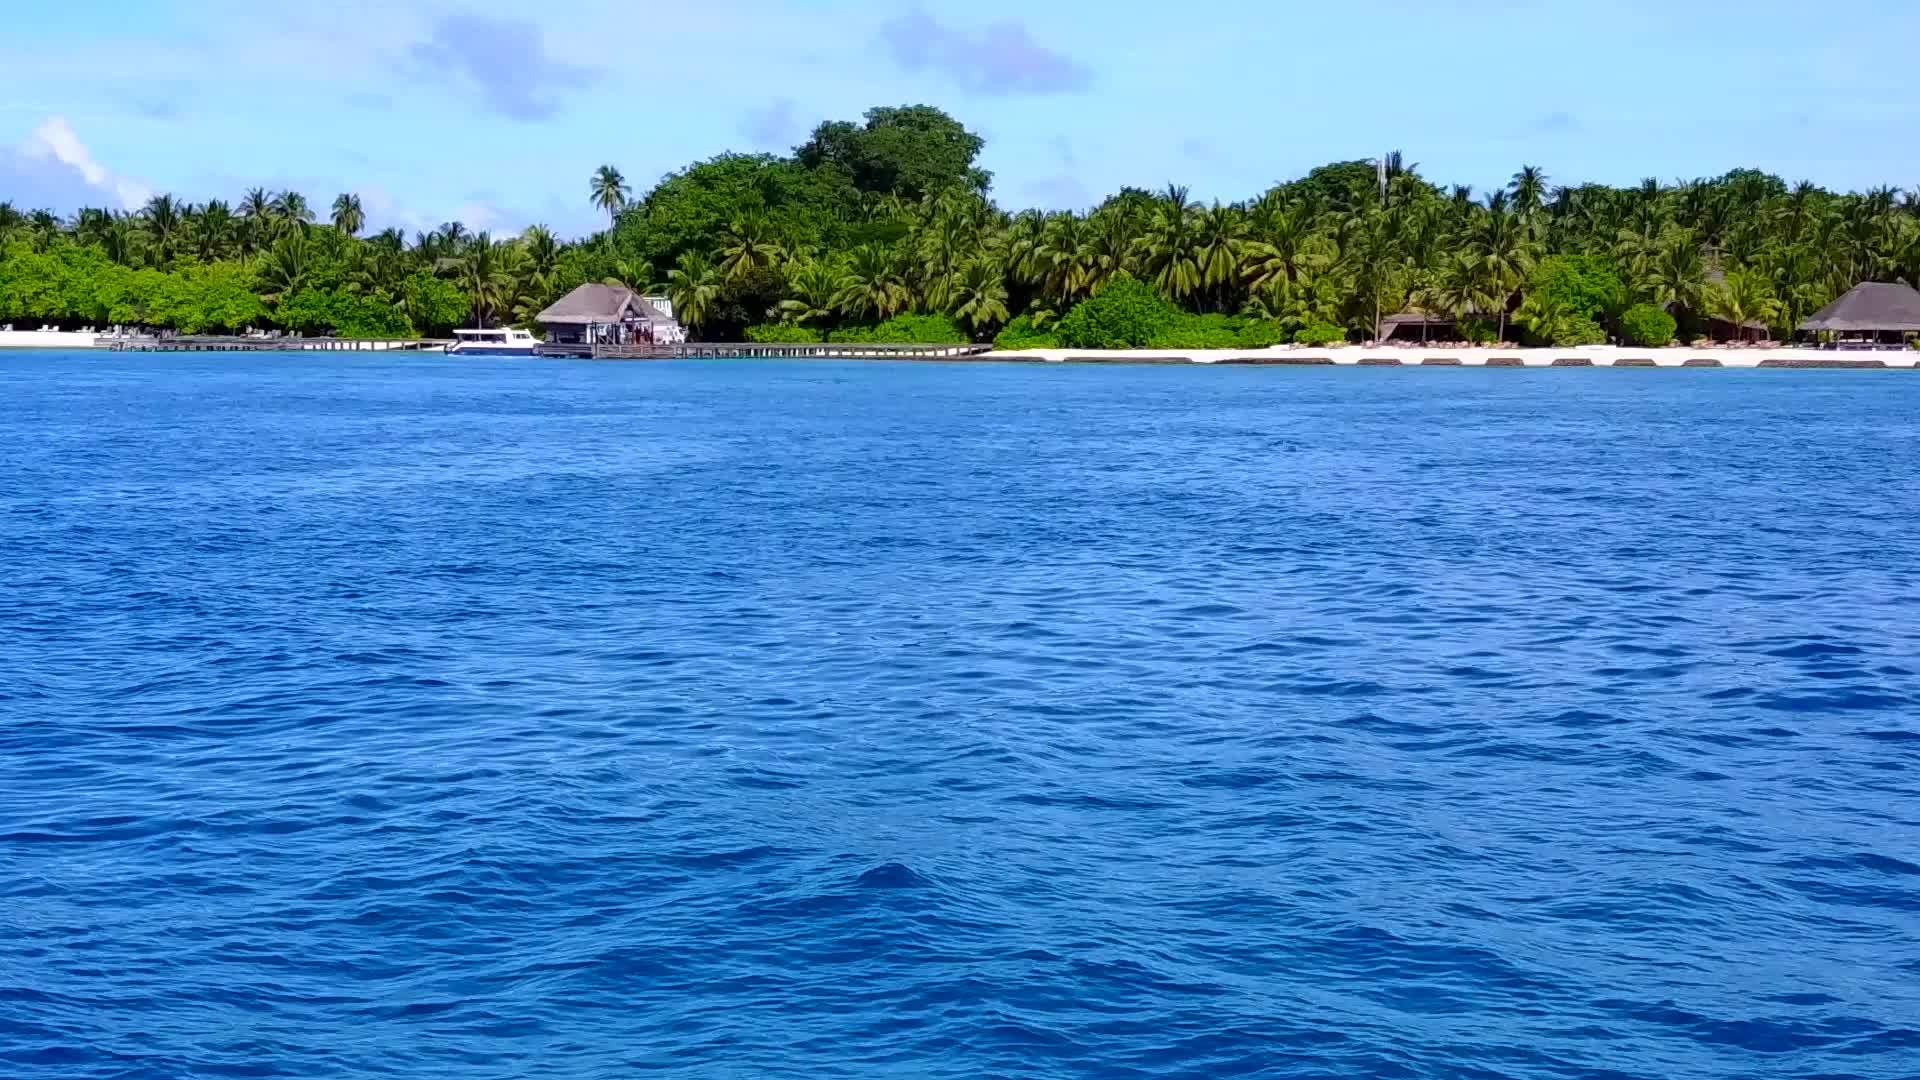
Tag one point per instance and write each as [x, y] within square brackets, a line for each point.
[208, 267]
[865, 223]
[884, 230]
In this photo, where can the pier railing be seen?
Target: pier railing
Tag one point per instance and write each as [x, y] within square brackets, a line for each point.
[212, 343]
[690, 350]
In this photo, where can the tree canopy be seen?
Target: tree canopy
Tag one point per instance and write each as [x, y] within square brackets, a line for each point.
[912, 151]
[872, 225]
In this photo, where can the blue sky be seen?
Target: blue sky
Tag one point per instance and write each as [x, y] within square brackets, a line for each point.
[496, 112]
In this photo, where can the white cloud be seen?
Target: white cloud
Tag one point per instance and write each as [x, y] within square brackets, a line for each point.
[54, 169]
[384, 210]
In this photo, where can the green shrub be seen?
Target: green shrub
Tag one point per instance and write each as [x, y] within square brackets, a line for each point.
[782, 334]
[1197, 332]
[1262, 333]
[1570, 331]
[1320, 334]
[904, 330]
[1020, 334]
[1647, 326]
[1124, 314]
[433, 305]
[1583, 286]
[1479, 331]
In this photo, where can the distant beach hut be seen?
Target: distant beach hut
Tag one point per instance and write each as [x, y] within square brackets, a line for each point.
[1871, 313]
[1418, 324]
[1415, 323]
[608, 315]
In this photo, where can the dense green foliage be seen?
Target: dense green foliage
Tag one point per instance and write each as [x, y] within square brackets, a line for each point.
[1581, 286]
[206, 269]
[1645, 324]
[1024, 333]
[783, 334]
[905, 330]
[1319, 334]
[1217, 331]
[912, 152]
[888, 217]
[1122, 314]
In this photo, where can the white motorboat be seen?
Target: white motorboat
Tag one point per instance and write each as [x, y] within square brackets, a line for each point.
[504, 341]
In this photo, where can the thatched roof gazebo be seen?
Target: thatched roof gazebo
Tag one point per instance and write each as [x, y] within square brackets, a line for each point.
[605, 315]
[1875, 309]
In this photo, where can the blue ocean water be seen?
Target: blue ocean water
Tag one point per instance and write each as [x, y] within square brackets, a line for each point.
[399, 717]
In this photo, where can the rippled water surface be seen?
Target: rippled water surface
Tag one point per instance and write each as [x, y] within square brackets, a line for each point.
[367, 717]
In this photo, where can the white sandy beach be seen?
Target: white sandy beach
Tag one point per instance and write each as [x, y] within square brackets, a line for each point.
[1439, 356]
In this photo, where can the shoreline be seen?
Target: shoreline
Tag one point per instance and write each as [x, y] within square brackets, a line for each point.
[1417, 356]
[1614, 356]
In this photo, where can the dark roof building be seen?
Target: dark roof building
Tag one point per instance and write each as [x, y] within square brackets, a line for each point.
[1875, 307]
[603, 305]
[605, 314]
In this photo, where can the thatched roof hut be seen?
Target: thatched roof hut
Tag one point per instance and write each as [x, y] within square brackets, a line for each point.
[1875, 307]
[605, 315]
[602, 305]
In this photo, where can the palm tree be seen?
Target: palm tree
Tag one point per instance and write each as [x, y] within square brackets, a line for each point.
[543, 251]
[1025, 236]
[1112, 241]
[213, 230]
[1905, 256]
[1641, 242]
[89, 224]
[1676, 275]
[1505, 254]
[121, 239]
[292, 211]
[1546, 316]
[875, 287]
[1374, 260]
[694, 287]
[1796, 280]
[285, 267]
[256, 214]
[1220, 239]
[1168, 247]
[1287, 242]
[750, 245]
[609, 192]
[1061, 264]
[944, 241]
[42, 228]
[347, 215]
[627, 273]
[1455, 290]
[813, 293]
[980, 296]
[160, 218]
[1743, 297]
[1529, 190]
[390, 240]
[484, 274]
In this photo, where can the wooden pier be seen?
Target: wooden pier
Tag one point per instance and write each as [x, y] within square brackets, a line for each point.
[283, 344]
[697, 350]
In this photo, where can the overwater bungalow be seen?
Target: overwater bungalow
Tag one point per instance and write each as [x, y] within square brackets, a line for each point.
[1874, 313]
[608, 315]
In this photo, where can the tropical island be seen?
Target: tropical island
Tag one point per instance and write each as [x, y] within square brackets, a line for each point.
[885, 230]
